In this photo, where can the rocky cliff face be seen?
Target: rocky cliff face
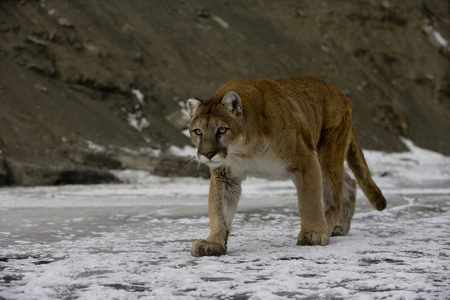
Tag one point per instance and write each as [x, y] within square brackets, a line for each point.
[89, 86]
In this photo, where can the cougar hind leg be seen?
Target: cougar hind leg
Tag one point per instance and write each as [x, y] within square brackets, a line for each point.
[332, 152]
[332, 198]
[348, 207]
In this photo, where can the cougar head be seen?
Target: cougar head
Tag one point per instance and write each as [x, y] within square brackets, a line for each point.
[216, 127]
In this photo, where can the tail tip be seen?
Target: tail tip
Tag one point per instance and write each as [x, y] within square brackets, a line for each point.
[380, 204]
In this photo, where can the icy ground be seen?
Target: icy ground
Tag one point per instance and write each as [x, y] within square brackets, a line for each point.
[132, 241]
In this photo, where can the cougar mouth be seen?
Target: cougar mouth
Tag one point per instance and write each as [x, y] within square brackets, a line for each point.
[212, 160]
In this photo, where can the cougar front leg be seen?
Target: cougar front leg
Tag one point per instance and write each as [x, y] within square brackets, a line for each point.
[224, 193]
[309, 189]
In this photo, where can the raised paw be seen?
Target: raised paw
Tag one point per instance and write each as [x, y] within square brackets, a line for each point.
[309, 238]
[340, 230]
[205, 248]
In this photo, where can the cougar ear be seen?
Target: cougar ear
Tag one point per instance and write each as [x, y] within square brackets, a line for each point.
[232, 101]
[192, 104]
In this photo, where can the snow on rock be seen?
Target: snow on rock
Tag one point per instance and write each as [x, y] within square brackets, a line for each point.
[139, 96]
[138, 121]
[95, 147]
[415, 167]
[186, 151]
[436, 38]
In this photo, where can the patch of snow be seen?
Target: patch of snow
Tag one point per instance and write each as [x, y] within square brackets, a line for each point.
[187, 150]
[93, 146]
[50, 11]
[186, 133]
[132, 176]
[139, 95]
[416, 167]
[150, 151]
[435, 37]
[183, 109]
[137, 121]
[439, 38]
[224, 24]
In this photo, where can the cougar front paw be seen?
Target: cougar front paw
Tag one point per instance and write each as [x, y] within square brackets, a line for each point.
[310, 238]
[205, 248]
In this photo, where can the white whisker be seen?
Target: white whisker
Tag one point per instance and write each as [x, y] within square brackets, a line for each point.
[192, 164]
[234, 162]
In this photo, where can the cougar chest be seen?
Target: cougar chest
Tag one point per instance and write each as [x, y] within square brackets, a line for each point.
[267, 167]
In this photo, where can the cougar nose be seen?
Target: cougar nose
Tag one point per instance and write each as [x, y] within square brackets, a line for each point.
[209, 155]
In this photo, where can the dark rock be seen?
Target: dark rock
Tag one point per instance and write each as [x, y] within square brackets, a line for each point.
[203, 13]
[171, 166]
[3, 173]
[96, 159]
[165, 165]
[28, 174]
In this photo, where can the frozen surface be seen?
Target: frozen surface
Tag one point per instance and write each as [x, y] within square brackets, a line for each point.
[132, 241]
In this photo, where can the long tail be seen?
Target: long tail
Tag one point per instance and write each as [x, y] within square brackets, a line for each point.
[358, 165]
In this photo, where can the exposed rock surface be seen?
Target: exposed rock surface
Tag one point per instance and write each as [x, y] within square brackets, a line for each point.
[88, 86]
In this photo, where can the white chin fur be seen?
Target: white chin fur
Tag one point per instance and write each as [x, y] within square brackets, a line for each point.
[214, 163]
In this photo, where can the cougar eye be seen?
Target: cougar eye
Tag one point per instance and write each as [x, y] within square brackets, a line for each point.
[197, 131]
[222, 130]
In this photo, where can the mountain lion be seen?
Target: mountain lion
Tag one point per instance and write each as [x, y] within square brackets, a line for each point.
[299, 129]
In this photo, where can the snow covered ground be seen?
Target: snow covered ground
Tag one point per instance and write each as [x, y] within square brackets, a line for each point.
[132, 241]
